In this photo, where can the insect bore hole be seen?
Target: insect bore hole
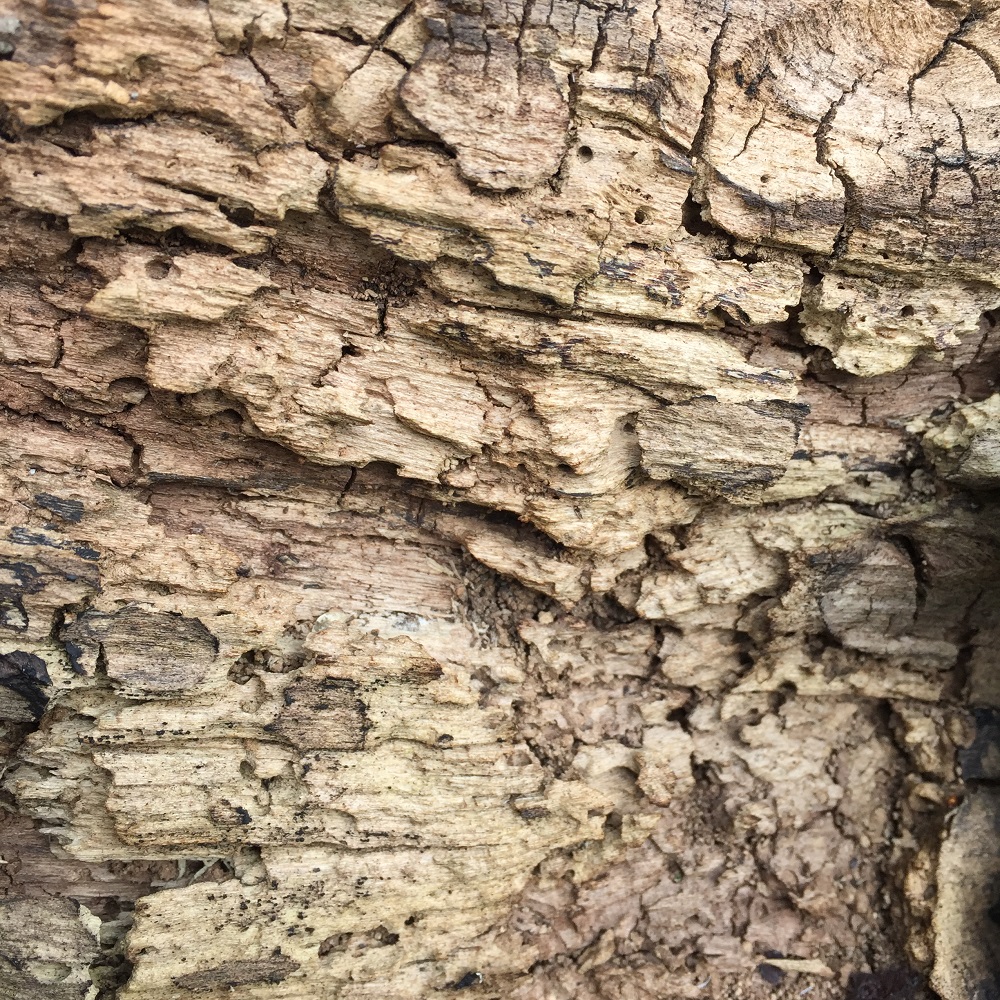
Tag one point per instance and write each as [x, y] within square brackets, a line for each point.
[158, 268]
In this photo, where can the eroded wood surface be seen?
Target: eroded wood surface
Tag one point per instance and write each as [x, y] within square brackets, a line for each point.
[496, 497]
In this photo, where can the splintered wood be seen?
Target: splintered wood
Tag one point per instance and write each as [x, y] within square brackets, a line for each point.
[497, 499]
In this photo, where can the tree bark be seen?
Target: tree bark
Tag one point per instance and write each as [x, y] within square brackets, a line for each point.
[498, 498]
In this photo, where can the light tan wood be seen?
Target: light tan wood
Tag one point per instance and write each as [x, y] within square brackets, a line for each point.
[497, 498]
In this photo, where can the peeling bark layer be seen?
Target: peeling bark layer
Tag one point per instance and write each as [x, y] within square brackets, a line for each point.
[499, 498]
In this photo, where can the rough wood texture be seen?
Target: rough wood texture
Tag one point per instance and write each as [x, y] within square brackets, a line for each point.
[497, 499]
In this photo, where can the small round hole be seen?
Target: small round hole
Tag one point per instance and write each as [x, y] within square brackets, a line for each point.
[641, 216]
[906, 311]
[585, 153]
[158, 268]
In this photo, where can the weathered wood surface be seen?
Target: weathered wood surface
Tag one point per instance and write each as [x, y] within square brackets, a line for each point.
[497, 497]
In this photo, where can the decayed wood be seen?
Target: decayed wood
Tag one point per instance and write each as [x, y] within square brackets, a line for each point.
[497, 497]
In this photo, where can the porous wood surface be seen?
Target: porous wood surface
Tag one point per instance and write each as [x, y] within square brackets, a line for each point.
[497, 498]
